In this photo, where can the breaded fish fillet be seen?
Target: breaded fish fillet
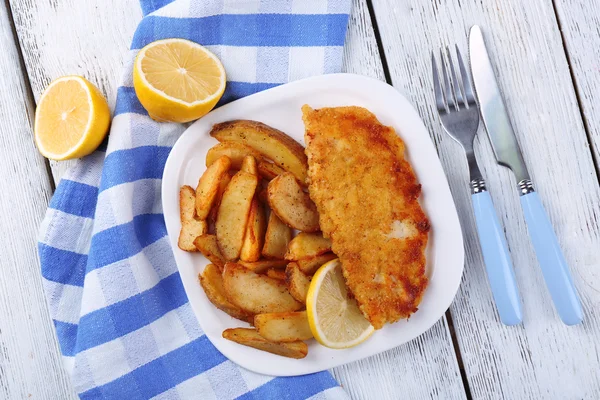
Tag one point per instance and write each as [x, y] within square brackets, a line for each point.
[367, 196]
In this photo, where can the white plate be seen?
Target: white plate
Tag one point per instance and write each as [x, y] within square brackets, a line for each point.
[280, 108]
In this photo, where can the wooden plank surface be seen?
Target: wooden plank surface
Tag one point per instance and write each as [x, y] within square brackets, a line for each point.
[579, 21]
[425, 366]
[542, 358]
[30, 363]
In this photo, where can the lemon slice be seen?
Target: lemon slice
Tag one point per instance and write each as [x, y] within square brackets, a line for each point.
[71, 119]
[334, 318]
[177, 80]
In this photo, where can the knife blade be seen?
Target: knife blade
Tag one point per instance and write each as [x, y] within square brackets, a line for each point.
[506, 149]
[492, 108]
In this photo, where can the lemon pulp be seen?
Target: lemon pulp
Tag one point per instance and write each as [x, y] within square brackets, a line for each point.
[71, 120]
[178, 80]
[333, 315]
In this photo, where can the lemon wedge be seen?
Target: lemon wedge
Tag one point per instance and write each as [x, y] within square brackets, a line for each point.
[71, 119]
[333, 316]
[177, 80]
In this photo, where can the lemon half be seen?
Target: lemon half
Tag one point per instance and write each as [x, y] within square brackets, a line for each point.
[333, 316]
[71, 120]
[177, 80]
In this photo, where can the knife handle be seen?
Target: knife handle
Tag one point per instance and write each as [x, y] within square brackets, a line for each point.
[497, 260]
[552, 261]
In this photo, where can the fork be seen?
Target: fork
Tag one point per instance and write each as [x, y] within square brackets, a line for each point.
[455, 102]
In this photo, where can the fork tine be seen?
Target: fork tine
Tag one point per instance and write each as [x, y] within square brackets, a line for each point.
[455, 82]
[448, 89]
[467, 85]
[437, 88]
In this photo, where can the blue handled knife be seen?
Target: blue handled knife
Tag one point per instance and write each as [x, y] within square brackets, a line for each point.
[506, 149]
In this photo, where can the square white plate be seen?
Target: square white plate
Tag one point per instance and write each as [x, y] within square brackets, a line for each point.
[280, 108]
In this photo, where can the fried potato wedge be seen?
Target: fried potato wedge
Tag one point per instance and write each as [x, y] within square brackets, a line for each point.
[208, 246]
[283, 327]
[307, 245]
[232, 217]
[256, 293]
[261, 266]
[249, 165]
[250, 337]
[190, 230]
[208, 186]
[277, 237]
[254, 238]
[276, 273]
[191, 226]
[187, 201]
[270, 142]
[310, 265]
[291, 204]
[212, 283]
[269, 170]
[234, 150]
[212, 215]
[297, 282]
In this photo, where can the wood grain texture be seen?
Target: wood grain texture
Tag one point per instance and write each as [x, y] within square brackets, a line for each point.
[30, 363]
[361, 54]
[542, 359]
[425, 367]
[74, 37]
[579, 22]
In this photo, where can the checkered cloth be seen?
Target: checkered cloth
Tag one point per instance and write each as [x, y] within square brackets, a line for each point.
[125, 327]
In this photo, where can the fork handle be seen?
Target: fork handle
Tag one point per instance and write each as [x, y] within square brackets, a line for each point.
[552, 261]
[497, 259]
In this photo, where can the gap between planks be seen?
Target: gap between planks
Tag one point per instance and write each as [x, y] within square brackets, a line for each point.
[448, 314]
[29, 93]
[30, 364]
[395, 372]
[586, 125]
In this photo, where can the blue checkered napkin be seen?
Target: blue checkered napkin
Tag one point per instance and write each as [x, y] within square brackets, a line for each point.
[125, 327]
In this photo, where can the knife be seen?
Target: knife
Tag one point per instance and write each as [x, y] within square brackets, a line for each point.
[506, 149]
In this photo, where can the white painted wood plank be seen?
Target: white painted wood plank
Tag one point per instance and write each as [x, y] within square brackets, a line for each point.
[542, 359]
[426, 367]
[579, 22]
[83, 31]
[30, 364]
[74, 37]
[361, 55]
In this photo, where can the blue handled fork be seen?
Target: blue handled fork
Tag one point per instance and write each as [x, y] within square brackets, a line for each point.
[459, 114]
